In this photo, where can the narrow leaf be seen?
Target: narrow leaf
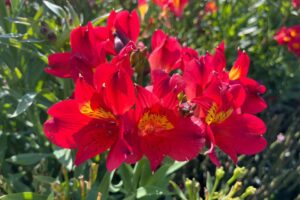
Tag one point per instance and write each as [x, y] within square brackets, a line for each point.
[24, 103]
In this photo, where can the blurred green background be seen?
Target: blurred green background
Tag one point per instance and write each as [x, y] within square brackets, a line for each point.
[31, 30]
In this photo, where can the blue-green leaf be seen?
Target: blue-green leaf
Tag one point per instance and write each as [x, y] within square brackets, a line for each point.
[27, 158]
[24, 103]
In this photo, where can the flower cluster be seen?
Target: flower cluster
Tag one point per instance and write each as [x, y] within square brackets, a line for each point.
[174, 6]
[167, 102]
[289, 37]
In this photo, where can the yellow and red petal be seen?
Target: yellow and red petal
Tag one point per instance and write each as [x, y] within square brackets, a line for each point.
[240, 67]
[66, 120]
[240, 134]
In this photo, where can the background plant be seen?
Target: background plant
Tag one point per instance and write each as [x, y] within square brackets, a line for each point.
[30, 30]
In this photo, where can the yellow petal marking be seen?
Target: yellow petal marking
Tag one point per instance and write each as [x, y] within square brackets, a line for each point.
[151, 123]
[217, 117]
[98, 113]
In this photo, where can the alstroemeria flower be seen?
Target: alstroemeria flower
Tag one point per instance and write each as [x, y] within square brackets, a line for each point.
[143, 8]
[161, 131]
[175, 6]
[123, 27]
[187, 54]
[254, 103]
[282, 36]
[296, 4]
[88, 46]
[93, 121]
[291, 37]
[211, 7]
[223, 98]
[165, 53]
[234, 133]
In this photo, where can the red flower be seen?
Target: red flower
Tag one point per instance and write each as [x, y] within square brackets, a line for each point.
[296, 4]
[175, 6]
[232, 132]
[254, 103]
[282, 36]
[88, 45]
[223, 101]
[124, 27]
[94, 121]
[165, 52]
[161, 131]
[211, 7]
[187, 54]
[290, 37]
[143, 8]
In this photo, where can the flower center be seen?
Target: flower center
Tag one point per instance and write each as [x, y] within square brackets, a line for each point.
[98, 113]
[153, 123]
[217, 117]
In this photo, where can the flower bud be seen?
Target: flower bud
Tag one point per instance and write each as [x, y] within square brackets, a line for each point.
[238, 172]
[220, 173]
[235, 188]
[249, 191]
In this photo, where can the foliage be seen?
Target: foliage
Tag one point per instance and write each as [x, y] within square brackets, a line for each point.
[31, 168]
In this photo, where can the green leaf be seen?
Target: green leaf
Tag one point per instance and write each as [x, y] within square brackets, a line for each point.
[74, 15]
[151, 191]
[178, 190]
[64, 156]
[11, 35]
[27, 158]
[59, 11]
[24, 103]
[126, 174]
[23, 196]
[45, 179]
[102, 187]
[209, 183]
[3, 146]
[175, 166]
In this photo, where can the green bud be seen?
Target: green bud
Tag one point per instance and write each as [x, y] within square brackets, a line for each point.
[249, 191]
[235, 188]
[238, 172]
[220, 173]
[192, 189]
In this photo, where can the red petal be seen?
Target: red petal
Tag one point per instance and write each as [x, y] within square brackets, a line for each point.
[93, 139]
[59, 65]
[217, 61]
[187, 141]
[254, 104]
[102, 74]
[238, 94]
[83, 91]
[144, 99]
[118, 154]
[240, 134]
[66, 121]
[165, 54]
[158, 39]
[134, 25]
[240, 67]
[119, 90]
